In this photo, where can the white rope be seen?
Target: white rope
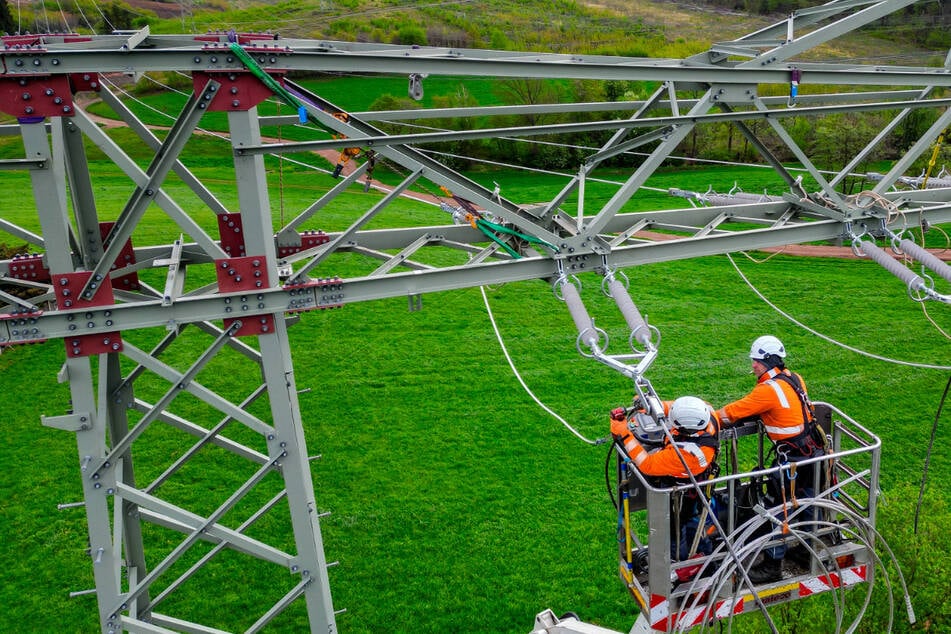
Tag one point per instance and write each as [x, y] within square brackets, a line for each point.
[912, 364]
[498, 335]
[674, 157]
[62, 13]
[85, 19]
[104, 18]
[46, 18]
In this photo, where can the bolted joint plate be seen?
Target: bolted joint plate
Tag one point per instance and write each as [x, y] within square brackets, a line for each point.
[36, 96]
[244, 274]
[68, 287]
[240, 90]
[739, 94]
[21, 327]
[303, 241]
[28, 267]
[125, 257]
[319, 294]
[231, 229]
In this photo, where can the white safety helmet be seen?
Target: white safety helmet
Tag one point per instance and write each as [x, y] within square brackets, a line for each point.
[690, 413]
[766, 346]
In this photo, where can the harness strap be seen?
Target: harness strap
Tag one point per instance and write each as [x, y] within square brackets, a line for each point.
[808, 414]
[805, 442]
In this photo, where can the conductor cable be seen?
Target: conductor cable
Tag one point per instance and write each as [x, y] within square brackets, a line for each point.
[911, 364]
[508, 357]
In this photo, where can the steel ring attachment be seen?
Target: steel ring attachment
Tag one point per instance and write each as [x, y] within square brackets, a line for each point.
[614, 275]
[602, 336]
[652, 342]
[565, 279]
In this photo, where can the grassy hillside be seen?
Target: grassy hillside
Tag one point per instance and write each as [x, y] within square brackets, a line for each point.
[457, 504]
[628, 27]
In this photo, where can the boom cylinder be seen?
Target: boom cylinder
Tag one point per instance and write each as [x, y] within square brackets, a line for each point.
[928, 259]
[580, 315]
[909, 277]
[632, 316]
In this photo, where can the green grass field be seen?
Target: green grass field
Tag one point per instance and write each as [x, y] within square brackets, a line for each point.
[456, 503]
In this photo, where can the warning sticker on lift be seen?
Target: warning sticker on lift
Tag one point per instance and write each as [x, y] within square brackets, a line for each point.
[662, 620]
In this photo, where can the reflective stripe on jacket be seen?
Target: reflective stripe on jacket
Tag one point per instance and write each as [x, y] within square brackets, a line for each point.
[775, 402]
[666, 462]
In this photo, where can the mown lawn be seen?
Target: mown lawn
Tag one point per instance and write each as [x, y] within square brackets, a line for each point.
[456, 503]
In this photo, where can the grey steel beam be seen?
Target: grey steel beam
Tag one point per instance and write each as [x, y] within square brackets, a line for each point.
[790, 48]
[276, 300]
[126, 521]
[261, 512]
[204, 526]
[287, 441]
[920, 146]
[193, 429]
[327, 249]
[22, 234]
[163, 513]
[288, 235]
[144, 194]
[779, 30]
[602, 106]
[209, 248]
[90, 436]
[81, 191]
[296, 55]
[183, 382]
[692, 118]
[413, 160]
[210, 436]
[144, 133]
[195, 388]
[827, 190]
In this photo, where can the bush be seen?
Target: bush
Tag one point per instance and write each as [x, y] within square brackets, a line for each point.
[410, 34]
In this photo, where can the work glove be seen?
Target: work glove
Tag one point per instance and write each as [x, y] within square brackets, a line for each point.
[619, 428]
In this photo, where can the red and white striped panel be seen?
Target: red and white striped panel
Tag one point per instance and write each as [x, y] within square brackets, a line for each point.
[659, 612]
[661, 620]
[721, 610]
[847, 577]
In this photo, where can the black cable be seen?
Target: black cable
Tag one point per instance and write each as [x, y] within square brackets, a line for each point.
[924, 474]
[607, 476]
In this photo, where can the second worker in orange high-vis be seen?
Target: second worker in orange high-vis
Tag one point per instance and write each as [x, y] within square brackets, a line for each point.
[779, 399]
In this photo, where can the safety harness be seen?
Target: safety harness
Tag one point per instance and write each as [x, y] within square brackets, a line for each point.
[811, 438]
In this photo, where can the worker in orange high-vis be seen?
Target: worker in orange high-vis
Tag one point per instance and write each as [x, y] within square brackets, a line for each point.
[779, 399]
[696, 434]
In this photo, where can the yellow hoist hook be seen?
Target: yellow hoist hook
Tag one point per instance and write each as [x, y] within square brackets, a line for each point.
[934, 158]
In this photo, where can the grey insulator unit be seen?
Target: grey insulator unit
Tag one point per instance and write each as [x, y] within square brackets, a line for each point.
[926, 258]
[632, 316]
[579, 314]
[909, 277]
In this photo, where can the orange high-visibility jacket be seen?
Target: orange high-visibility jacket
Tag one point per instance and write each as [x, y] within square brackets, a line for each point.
[666, 462]
[775, 402]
